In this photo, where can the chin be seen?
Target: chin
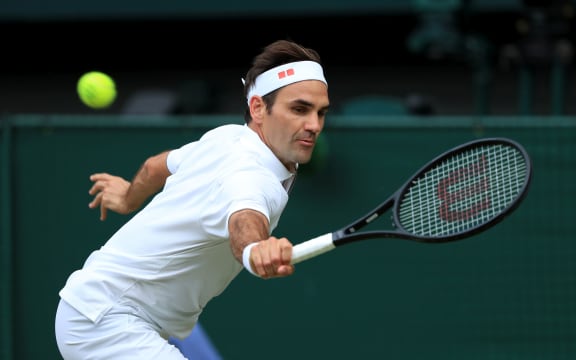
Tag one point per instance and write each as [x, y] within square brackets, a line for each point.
[304, 160]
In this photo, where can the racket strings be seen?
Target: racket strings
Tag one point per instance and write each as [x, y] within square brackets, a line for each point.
[464, 191]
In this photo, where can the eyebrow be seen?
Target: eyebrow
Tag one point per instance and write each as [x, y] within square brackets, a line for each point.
[309, 104]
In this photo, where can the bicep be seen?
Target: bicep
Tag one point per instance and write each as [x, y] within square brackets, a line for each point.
[246, 226]
[159, 164]
[154, 172]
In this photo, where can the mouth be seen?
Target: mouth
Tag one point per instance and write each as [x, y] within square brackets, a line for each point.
[308, 142]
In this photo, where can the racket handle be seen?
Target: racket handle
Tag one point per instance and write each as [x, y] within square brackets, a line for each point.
[312, 248]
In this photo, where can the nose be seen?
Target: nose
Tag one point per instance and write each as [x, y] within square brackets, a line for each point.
[314, 123]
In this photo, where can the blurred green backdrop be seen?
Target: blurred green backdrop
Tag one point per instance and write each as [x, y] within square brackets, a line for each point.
[509, 293]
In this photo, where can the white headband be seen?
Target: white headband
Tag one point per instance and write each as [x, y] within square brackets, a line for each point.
[286, 74]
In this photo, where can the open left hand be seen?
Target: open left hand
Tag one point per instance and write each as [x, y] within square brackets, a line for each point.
[109, 193]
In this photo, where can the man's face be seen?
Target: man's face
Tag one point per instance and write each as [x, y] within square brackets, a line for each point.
[297, 117]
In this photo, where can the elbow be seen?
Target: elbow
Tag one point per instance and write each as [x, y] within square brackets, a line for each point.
[156, 170]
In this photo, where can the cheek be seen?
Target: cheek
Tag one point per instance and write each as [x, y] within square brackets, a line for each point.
[282, 139]
[281, 130]
[275, 138]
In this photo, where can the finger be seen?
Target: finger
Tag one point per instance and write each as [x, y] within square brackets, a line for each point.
[96, 201]
[99, 176]
[269, 258]
[285, 267]
[285, 270]
[255, 258]
[98, 186]
[280, 257]
[261, 261]
[285, 251]
[103, 212]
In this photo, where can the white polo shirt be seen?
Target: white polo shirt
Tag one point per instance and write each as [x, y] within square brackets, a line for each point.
[174, 255]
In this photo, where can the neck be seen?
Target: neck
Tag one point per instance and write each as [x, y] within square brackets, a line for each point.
[291, 166]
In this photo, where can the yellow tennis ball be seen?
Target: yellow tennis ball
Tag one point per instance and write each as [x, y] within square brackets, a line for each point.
[96, 90]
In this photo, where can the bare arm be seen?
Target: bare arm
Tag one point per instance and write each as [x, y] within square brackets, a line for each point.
[121, 196]
[272, 256]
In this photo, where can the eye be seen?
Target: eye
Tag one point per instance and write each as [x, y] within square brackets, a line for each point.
[300, 109]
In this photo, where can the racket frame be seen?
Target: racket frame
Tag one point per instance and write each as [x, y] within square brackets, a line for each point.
[350, 232]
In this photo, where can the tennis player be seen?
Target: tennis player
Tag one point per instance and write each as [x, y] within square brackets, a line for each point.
[216, 202]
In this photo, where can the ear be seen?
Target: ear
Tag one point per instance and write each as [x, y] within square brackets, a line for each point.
[257, 108]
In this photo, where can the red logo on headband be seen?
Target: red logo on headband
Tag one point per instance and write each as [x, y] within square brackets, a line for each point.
[283, 74]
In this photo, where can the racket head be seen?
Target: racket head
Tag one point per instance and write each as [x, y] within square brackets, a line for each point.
[463, 191]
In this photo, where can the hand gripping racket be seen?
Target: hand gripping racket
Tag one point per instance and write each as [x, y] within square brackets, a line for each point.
[460, 193]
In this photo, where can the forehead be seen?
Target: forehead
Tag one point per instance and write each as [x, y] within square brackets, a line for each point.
[313, 91]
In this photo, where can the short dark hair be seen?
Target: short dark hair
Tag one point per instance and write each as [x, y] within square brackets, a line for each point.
[277, 53]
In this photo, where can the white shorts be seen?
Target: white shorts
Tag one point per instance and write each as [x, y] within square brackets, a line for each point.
[123, 333]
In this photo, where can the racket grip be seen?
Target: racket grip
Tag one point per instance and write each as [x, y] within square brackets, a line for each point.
[311, 248]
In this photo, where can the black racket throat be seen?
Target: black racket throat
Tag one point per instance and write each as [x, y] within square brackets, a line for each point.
[369, 217]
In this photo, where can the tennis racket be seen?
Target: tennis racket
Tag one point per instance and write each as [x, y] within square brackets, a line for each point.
[460, 193]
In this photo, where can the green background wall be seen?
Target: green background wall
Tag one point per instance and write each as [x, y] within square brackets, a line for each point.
[509, 293]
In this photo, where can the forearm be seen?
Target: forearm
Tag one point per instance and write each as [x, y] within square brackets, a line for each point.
[270, 257]
[245, 227]
[149, 179]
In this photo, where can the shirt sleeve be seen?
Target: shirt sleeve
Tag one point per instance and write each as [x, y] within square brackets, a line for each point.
[257, 191]
[173, 160]
[176, 156]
